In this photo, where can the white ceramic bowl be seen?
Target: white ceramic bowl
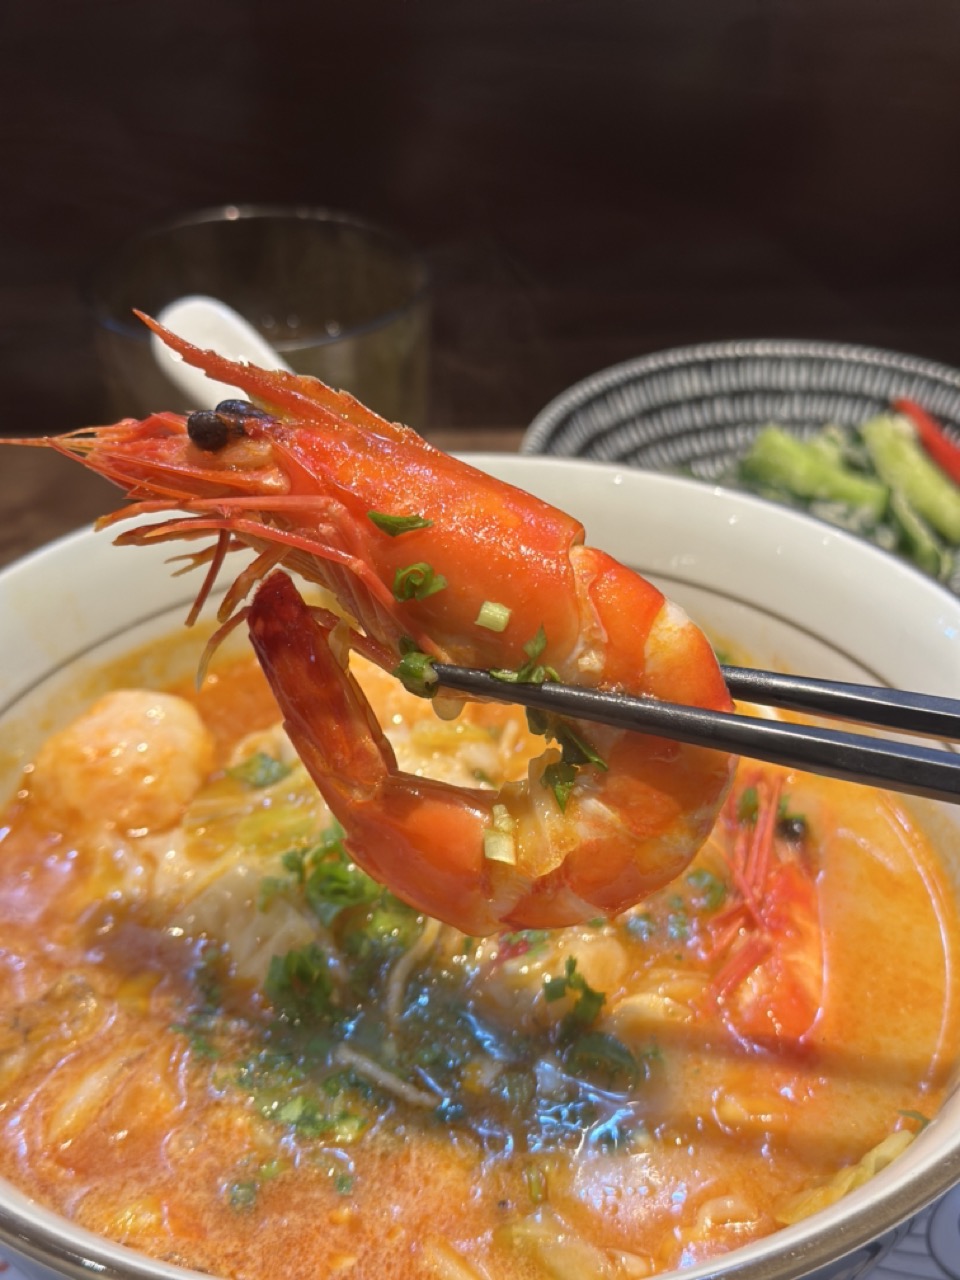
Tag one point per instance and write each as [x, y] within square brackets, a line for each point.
[795, 592]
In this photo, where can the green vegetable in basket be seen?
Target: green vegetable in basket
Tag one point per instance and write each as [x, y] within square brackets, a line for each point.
[917, 538]
[902, 464]
[809, 470]
[876, 482]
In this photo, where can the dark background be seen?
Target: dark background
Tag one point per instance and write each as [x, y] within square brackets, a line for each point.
[589, 180]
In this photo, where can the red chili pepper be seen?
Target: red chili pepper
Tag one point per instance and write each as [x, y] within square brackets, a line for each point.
[937, 443]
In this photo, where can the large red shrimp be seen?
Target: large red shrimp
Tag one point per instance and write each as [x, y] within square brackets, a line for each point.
[431, 558]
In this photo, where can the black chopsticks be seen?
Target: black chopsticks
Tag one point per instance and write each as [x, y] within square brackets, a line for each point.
[899, 766]
[924, 713]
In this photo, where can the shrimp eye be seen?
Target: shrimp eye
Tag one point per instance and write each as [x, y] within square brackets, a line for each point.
[238, 410]
[213, 429]
[208, 431]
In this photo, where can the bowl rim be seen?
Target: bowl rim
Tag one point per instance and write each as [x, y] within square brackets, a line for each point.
[863, 1216]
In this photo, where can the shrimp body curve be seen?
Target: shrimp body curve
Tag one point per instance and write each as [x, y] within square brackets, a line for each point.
[429, 556]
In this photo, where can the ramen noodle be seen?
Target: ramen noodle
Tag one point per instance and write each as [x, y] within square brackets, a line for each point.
[222, 1044]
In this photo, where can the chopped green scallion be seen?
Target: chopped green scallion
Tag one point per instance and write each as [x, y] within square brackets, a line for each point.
[493, 616]
[536, 1180]
[395, 525]
[748, 805]
[498, 842]
[498, 846]
[917, 1116]
[417, 581]
[415, 671]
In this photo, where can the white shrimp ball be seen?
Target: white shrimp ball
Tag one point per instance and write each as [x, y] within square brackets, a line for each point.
[133, 761]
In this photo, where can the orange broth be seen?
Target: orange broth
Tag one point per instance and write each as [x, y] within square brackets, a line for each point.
[399, 1101]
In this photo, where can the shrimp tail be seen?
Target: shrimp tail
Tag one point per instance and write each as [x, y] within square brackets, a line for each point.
[326, 715]
[421, 837]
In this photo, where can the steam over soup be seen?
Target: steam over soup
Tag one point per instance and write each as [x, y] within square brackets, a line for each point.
[223, 1044]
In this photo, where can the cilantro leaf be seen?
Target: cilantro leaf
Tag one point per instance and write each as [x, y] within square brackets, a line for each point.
[709, 890]
[335, 883]
[575, 747]
[299, 985]
[326, 877]
[531, 671]
[597, 1054]
[575, 752]
[588, 1004]
[641, 926]
[259, 770]
[242, 1196]
[561, 778]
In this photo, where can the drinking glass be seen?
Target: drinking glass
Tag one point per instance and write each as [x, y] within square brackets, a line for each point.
[338, 297]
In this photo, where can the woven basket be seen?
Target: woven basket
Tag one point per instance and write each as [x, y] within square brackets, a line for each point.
[698, 408]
